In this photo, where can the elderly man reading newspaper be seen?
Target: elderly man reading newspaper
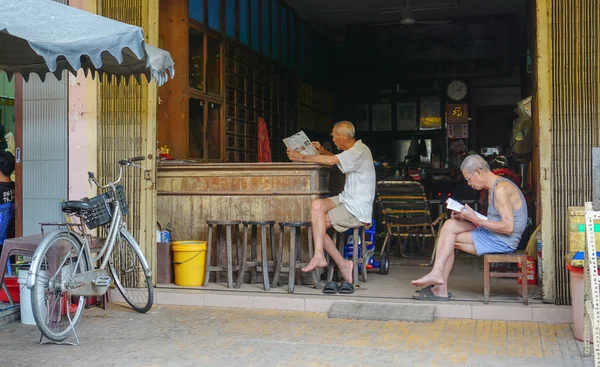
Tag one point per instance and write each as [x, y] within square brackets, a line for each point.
[500, 232]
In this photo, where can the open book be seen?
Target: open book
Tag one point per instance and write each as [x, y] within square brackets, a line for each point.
[457, 207]
[300, 143]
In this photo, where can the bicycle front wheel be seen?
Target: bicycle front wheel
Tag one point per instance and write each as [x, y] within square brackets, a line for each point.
[55, 311]
[131, 274]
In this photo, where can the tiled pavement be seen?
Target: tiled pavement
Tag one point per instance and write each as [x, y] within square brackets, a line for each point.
[208, 336]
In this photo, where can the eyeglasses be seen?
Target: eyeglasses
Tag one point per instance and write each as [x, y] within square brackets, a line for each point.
[472, 173]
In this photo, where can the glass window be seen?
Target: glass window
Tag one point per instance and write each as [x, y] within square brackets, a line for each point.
[292, 22]
[213, 66]
[196, 10]
[275, 30]
[302, 49]
[196, 72]
[213, 131]
[244, 22]
[266, 35]
[214, 14]
[230, 18]
[254, 25]
[284, 36]
[196, 129]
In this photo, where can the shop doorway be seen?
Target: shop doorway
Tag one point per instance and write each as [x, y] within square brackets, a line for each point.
[494, 127]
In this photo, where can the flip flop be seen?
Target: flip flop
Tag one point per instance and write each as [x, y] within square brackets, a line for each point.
[426, 294]
[346, 288]
[331, 288]
[426, 289]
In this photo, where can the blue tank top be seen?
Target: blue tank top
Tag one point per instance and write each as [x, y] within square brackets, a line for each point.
[519, 216]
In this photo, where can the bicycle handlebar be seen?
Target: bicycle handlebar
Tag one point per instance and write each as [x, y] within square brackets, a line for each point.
[126, 162]
[122, 163]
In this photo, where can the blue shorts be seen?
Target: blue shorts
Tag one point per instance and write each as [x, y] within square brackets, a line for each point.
[487, 243]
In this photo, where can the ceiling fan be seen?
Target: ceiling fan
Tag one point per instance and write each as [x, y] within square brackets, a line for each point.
[407, 14]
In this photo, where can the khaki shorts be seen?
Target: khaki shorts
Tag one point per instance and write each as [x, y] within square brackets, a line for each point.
[341, 218]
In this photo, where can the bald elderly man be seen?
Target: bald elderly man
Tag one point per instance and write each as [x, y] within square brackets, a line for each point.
[352, 208]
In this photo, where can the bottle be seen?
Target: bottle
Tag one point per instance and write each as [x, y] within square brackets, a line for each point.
[396, 175]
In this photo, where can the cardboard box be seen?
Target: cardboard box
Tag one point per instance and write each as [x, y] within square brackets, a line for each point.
[576, 234]
[531, 271]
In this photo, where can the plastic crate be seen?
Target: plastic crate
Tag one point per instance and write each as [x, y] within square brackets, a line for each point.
[101, 212]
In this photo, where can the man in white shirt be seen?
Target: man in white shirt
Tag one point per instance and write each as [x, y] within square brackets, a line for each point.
[350, 209]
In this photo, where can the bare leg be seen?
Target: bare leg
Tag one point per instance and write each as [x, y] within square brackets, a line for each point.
[442, 289]
[464, 243]
[445, 248]
[320, 221]
[344, 265]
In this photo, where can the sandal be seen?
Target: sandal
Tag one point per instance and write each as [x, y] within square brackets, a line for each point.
[331, 288]
[426, 294]
[346, 288]
[429, 287]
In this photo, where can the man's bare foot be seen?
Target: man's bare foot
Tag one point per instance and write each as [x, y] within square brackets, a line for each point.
[429, 279]
[315, 262]
[346, 270]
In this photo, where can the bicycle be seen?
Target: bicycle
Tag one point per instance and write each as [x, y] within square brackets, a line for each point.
[63, 269]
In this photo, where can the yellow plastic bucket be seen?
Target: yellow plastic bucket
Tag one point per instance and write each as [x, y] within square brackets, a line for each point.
[189, 260]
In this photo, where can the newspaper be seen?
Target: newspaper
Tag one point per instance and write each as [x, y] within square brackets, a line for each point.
[300, 143]
[457, 207]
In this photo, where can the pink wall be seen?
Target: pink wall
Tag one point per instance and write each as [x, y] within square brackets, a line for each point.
[82, 125]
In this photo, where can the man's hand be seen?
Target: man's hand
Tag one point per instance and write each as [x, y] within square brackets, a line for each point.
[468, 214]
[319, 147]
[293, 155]
[456, 215]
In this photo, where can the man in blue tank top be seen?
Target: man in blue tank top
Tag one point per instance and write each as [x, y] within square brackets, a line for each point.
[500, 233]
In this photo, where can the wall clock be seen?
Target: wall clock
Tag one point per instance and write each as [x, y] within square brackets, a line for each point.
[457, 90]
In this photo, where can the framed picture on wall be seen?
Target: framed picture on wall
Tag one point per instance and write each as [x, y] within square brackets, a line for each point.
[407, 115]
[361, 117]
[382, 117]
[431, 114]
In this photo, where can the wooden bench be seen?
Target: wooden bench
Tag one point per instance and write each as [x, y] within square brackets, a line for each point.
[514, 258]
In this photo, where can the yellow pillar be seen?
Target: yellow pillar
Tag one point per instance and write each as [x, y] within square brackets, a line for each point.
[543, 94]
[148, 226]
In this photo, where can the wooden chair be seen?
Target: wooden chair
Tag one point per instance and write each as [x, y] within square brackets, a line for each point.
[406, 213]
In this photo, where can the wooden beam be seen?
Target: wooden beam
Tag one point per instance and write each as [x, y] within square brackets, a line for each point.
[543, 101]
[148, 198]
[172, 97]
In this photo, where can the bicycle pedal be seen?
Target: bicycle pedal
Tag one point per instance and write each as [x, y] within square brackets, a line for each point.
[102, 281]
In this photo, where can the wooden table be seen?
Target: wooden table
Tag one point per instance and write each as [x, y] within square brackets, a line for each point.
[26, 246]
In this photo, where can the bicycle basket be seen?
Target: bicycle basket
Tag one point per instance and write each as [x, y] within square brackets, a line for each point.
[101, 208]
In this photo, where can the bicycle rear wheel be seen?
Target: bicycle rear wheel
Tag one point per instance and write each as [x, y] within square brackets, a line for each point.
[131, 274]
[55, 311]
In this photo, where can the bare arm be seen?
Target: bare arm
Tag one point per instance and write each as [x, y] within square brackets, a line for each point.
[502, 203]
[320, 148]
[328, 160]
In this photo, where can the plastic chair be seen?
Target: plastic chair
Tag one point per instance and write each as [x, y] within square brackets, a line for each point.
[7, 211]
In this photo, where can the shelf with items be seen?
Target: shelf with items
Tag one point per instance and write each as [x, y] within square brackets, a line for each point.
[254, 88]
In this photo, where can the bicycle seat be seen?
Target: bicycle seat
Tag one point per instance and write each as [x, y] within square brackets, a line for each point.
[76, 206]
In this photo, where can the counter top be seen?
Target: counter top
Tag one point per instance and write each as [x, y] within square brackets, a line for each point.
[187, 165]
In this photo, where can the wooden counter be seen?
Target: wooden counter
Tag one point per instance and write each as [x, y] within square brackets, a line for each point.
[191, 193]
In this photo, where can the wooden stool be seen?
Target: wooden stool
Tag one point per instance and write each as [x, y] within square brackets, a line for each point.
[265, 226]
[514, 258]
[227, 225]
[295, 245]
[339, 239]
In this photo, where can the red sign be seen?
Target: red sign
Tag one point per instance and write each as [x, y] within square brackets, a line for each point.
[457, 113]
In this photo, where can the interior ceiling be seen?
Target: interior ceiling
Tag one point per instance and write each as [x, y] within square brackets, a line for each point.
[332, 16]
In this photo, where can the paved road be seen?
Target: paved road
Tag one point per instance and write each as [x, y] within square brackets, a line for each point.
[196, 336]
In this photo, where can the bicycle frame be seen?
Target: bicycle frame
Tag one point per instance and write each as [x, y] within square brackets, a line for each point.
[117, 225]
